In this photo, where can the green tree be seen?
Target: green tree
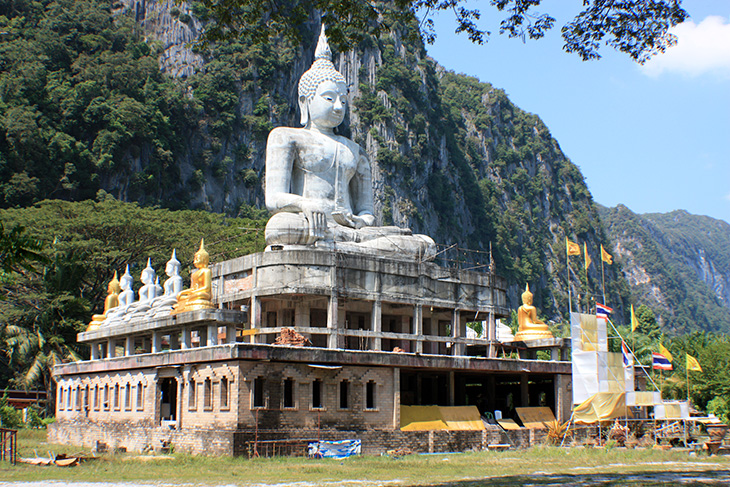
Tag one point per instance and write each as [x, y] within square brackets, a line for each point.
[638, 28]
[44, 308]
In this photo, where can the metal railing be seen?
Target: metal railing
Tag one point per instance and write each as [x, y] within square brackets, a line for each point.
[9, 445]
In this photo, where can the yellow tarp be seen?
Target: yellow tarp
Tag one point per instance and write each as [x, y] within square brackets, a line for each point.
[535, 418]
[425, 418]
[601, 406]
[509, 424]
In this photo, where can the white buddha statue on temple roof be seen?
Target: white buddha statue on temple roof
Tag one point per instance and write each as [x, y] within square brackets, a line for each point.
[148, 292]
[126, 297]
[164, 302]
[319, 184]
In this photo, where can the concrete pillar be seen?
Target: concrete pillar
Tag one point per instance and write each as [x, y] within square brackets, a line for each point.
[231, 334]
[212, 335]
[418, 327]
[280, 315]
[255, 315]
[456, 332]
[111, 348]
[95, 351]
[185, 335]
[203, 337]
[555, 354]
[563, 397]
[179, 403]
[302, 317]
[492, 330]
[174, 341]
[156, 342]
[332, 322]
[396, 397]
[376, 321]
[129, 346]
[524, 391]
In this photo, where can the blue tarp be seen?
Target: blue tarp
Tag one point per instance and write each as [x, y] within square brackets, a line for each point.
[334, 449]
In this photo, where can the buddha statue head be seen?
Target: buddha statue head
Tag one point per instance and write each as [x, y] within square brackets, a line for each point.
[148, 273]
[126, 281]
[114, 287]
[322, 89]
[202, 259]
[172, 268]
[527, 296]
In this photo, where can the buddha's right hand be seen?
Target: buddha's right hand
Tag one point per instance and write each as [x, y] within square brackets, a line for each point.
[317, 223]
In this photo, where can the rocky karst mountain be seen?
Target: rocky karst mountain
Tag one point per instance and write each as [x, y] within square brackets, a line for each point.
[676, 263]
[117, 99]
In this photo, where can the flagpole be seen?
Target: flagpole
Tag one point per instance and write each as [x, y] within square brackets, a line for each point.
[686, 369]
[603, 280]
[585, 268]
[567, 268]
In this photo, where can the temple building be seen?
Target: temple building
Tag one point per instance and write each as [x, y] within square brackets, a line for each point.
[335, 331]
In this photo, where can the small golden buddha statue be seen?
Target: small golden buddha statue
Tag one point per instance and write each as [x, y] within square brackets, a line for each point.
[111, 301]
[530, 327]
[200, 292]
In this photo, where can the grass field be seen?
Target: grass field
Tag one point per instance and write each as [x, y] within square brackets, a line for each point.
[535, 466]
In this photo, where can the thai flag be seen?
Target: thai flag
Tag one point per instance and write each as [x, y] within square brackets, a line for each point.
[626, 354]
[603, 310]
[660, 362]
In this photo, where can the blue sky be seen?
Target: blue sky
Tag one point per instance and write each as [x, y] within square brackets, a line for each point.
[655, 138]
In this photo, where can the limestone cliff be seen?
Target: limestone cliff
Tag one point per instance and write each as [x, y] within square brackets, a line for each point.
[676, 263]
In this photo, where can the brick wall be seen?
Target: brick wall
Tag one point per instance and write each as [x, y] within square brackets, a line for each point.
[301, 412]
[133, 437]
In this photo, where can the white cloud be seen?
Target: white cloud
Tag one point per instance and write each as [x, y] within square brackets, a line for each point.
[701, 48]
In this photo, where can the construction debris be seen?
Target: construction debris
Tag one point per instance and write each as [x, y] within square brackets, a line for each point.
[291, 337]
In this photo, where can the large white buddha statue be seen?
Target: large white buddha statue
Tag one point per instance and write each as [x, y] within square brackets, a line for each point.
[319, 184]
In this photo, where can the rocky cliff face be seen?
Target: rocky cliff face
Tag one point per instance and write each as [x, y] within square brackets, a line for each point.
[676, 263]
[173, 25]
[452, 156]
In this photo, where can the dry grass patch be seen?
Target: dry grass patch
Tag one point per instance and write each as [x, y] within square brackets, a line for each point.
[537, 466]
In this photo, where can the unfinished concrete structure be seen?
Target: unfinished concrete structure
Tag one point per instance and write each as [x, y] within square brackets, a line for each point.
[211, 381]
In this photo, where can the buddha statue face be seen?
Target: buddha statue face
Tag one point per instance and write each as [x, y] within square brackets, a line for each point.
[126, 282]
[201, 259]
[327, 107]
[172, 268]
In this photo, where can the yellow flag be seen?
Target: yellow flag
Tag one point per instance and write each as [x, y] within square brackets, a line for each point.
[634, 321]
[663, 350]
[572, 247]
[693, 364]
[605, 256]
[588, 257]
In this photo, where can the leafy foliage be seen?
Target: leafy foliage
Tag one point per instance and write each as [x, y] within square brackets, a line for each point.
[637, 28]
[85, 242]
[82, 97]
